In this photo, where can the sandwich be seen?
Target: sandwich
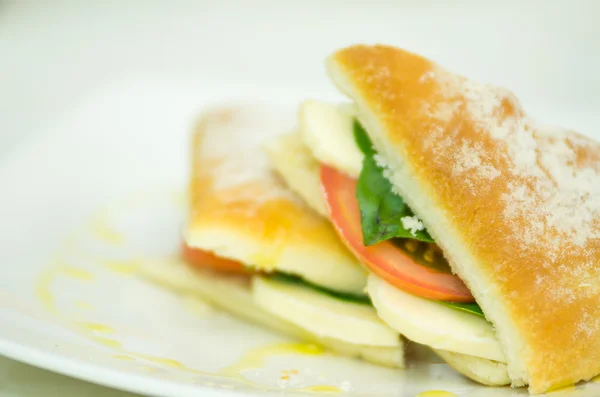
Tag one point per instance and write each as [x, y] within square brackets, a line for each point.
[254, 249]
[429, 208]
[480, 226]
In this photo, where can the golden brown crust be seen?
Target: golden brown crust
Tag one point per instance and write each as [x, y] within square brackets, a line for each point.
[515, 205]
[239, 209]
[255, 203]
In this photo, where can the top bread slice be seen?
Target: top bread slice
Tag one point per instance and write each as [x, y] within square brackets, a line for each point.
[515, 205]
[239, 209]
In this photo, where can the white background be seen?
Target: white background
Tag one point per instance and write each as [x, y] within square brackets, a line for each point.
[53, 55]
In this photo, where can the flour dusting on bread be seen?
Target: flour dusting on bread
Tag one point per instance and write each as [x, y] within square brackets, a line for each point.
[550, 183]
[231, 148]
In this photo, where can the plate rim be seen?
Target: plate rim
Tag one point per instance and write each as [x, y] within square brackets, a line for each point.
[109, 377]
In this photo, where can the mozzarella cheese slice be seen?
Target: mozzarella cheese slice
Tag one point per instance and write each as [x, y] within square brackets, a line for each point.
[300, 171]
[433, 324]
[322, 314]
[233, 294]
[327, 129]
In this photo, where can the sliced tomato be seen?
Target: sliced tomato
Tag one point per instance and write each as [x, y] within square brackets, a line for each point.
[206, 260]
[385, 259]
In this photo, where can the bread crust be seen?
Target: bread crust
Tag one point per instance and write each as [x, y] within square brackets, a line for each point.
[239, 209]
[512, 203]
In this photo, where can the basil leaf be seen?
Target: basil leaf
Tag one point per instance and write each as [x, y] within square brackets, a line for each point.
[345, 296]
[381, 210]
[362, 139]
[471, 307]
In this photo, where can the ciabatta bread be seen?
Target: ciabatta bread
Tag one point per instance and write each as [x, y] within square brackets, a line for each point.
[515, 205]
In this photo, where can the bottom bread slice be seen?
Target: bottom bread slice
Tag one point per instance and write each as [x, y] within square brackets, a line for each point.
[233, 294]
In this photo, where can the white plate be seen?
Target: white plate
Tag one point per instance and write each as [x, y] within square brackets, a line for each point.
[101, 185]
[102, 189]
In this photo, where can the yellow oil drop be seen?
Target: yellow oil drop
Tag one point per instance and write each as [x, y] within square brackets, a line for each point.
[123, 267]
[123, 357]
[115, 344]
[43, 289]
[436, 393]
[106, 232]
[167, 362]
[162, 361]
[321, 389]
[76, 273]
[95, 327]
[303, 348]
[48, 277]
[256, 358]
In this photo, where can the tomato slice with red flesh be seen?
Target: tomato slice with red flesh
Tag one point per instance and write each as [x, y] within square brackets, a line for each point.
[201, 259]
[385, 259]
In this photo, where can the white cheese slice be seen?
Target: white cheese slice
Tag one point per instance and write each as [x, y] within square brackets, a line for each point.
[327, 129]
[433, 324]
[322, 314]
[294, 162]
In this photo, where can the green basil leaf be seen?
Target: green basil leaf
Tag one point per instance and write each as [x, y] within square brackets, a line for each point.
[345, 296]
[472, 308]
[381, 210]
[362, 139]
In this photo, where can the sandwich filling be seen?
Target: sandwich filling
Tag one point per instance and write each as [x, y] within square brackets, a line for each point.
[372, 219]
[321, 311]
[411, 285]
[395, 244]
